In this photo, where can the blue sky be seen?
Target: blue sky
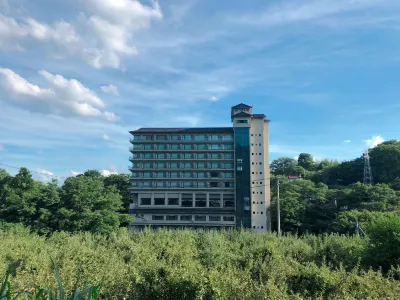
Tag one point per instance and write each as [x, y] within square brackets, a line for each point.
[77, 75]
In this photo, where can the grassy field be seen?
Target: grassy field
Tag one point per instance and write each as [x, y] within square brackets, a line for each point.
[190, 265]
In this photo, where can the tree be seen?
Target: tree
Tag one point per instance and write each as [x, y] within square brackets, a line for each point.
[87, 205]
[285, 166]
[384, 236]
[121, 182]
[385, 161]
[306, 161]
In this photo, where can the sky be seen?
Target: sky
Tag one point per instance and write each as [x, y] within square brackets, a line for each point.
[77, 75]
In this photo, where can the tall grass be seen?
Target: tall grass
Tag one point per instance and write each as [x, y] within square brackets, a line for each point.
[190, 265]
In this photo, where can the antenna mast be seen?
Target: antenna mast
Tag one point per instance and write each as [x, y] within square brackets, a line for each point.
[367, 169]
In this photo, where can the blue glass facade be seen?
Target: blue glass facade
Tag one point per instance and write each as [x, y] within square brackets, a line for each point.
[243, 193]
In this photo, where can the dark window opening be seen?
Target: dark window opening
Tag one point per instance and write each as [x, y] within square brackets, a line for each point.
[159, 201]
[214, 184]
[145, 201]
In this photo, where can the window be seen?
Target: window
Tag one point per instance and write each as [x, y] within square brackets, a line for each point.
[159, 199]
[215, 147]
[214, 218]
[214, 165]
[214, 184]
[187, 184]
[161, 137]
[202, 147]
[229, 218]
[175, 147]
[160, 175]
[251, 134]
[215, 137]
[161, 156]
[261, 173]
[200, 137]
[215, 200]
[188, 147]
[260, 154]
[174, 184]
[145, 199]
[148, 155]
[172, 218]
[228, 155]
[188, 137]
[174, 137]
[187, 174]
[187, 200]
[173, 175]
[186, 218]
[201, 200]
[262, 227]
[229, 175]
[174, 156]
[147, 175]
[259, 144]
[146, 184]
[173, 165]
[135, 174]
[260, 163]
[173, 199]
[227, 137]
[229, 200]
[201, 175]
[228, 147]
[228, 184]
[242, 121]
[188, 165]
[160, 166]
[201, 184]
[157, 218]
[262, 212]
[147, 165]
[246, 203]
[162, 147]
[260, 192]
[200, 218]
[228, 165]
[148, 137]
[188, 156]
[214, 174]
[215, 155]
[201, 156]
[137, 137]
[201, 166]
[260, 134]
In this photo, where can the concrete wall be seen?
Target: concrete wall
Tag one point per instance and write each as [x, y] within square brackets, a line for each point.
[259, 175]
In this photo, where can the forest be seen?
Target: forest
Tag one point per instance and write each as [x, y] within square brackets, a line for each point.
[63, 236]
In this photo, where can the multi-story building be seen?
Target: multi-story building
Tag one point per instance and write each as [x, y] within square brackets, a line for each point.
[202, 177]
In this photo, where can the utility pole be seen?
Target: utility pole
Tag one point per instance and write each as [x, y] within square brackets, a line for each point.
[279, 211]
[357, 227]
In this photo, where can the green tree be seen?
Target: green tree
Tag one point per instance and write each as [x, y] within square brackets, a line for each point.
[384, 236]
[385, 161]
[121, 182]
[306, 161]
[87, 205]
[286, 166]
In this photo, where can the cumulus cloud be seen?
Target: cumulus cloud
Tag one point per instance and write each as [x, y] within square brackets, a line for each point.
[75, 173]
[374, 141]
[101, 39]
[111, 89]
[63, 97]
[213, 98]
[108, 172]
[44, 175]
[346, 141]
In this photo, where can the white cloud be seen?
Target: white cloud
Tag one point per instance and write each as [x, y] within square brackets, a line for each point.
[106, 137]
[74, 173]
[111, 89]
[346, 141]
[213, 98]
[44, 175]
[305, 11]
[64, 97]
[374, 141]
[107, 173]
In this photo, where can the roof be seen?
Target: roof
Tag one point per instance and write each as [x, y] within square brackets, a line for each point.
[261, 116]
[241, 105]
[242, 114]
[185, 130]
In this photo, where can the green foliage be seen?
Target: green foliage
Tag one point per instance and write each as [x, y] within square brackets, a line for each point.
[286, 166]
[190, 265]
[306, 161]
[88, 202]
[384, 236]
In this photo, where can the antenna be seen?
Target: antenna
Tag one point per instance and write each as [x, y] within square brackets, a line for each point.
[367, 169]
